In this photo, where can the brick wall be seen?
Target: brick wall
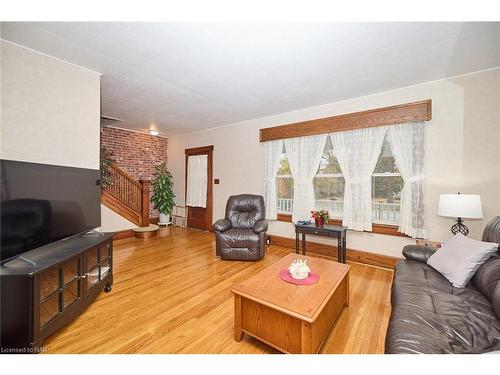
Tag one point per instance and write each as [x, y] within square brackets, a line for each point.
[135, 153]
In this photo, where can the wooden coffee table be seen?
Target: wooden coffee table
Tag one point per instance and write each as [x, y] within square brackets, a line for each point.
[291, 318]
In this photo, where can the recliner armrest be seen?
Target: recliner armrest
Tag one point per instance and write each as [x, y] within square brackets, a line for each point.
[260, 226]
[418, 252]
[222, 225]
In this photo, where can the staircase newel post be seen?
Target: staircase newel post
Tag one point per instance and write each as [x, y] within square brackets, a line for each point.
[145, 202]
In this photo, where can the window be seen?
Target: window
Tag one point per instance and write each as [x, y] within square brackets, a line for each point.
[284, 185]
[329, 183]
[386, 188]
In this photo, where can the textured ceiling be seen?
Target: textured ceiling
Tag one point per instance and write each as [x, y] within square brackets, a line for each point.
[191, 76]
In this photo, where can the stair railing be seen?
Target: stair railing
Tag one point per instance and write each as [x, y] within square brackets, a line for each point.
[126, 196]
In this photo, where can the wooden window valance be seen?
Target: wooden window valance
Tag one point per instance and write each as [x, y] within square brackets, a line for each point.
[398, 114]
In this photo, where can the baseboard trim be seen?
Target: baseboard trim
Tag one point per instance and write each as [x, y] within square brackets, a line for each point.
[358, 256]
[123, 234]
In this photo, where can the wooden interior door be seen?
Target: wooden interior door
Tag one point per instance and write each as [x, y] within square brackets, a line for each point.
[199, 217]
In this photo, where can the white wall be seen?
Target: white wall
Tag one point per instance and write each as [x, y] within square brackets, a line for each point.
[112, 222]
[50, 109]
[462, 140]
[50, 113]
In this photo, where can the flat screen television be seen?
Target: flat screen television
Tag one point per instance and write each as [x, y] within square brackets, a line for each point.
[42, 203]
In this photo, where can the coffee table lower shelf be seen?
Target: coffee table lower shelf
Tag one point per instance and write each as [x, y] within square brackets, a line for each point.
[284, 330]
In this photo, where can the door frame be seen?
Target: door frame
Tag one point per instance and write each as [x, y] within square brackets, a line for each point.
[205, 150]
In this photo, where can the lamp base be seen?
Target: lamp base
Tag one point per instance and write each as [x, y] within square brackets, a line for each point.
[460, 227]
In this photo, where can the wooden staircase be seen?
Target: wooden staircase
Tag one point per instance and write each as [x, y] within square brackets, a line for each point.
[127, 197]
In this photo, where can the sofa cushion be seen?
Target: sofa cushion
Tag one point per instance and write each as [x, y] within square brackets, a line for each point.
[487, 277]
[410, 270]
[429, 315]
[491, 232]
[495, 300]
[460, 257]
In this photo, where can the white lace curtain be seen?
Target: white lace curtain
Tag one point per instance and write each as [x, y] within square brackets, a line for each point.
[196, 194]
[273, 151]
[408, 148]
[357, 152]
[304, 155]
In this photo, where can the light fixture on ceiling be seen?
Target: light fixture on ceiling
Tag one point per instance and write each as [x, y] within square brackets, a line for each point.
[154, 132]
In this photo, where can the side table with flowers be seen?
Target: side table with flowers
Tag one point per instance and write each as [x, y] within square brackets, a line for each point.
[320, 217]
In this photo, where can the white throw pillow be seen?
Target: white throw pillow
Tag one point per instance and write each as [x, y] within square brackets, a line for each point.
[460, 257]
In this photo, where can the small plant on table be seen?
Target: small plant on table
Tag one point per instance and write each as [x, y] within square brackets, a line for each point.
[320, 217]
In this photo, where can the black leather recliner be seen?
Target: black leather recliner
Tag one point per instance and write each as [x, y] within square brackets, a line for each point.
[242, 234]
[429, 315]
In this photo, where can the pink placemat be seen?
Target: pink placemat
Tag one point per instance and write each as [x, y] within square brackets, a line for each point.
[311, 279]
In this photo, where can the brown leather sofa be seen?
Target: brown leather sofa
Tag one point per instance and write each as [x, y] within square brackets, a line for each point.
[429, 315]
[242, 234]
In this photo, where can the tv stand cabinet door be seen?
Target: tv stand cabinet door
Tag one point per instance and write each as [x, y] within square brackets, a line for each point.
[57, 297]
[98, 268]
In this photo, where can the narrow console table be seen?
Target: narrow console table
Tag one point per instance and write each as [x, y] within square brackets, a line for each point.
[44, 289]
[335, 231]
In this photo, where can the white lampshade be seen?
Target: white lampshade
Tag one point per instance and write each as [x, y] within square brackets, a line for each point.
[466, 206]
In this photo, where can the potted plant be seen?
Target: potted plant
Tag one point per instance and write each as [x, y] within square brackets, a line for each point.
[163, 194]
[320, 217]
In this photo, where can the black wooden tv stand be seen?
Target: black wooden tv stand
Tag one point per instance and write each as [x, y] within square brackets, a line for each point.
[44, 289]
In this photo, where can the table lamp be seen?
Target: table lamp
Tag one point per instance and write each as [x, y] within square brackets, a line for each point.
[460, 206]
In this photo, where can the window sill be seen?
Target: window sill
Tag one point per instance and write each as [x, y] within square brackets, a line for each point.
[391, 230]
[284, 217]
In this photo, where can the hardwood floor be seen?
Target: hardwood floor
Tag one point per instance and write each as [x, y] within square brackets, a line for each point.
[171, 294]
